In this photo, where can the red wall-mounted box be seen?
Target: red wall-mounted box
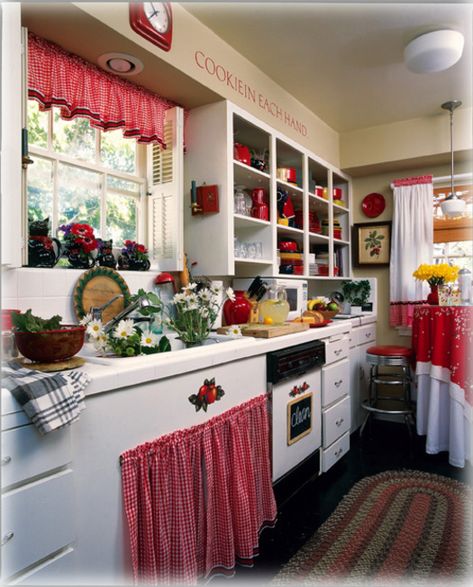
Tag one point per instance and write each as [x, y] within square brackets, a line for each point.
[207, 200]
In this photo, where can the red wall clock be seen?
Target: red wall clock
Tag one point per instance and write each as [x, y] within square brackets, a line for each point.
[153, 21]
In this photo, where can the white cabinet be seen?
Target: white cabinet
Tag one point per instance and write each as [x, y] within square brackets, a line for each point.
[38, 514]
[320, 195]
[336, 400]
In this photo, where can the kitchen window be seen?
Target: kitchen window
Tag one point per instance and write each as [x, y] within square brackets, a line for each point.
[453, 236]
[82, 174]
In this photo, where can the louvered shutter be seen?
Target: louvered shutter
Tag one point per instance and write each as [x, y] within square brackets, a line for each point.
[165, 201]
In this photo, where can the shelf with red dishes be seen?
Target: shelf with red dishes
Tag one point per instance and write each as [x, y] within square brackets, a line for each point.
[271, 189]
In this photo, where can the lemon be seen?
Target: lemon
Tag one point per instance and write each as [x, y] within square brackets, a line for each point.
[268, 320]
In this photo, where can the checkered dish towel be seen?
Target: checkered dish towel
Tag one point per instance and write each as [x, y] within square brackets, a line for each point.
[52, 401]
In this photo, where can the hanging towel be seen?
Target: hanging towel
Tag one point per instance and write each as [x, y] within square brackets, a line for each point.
[51, 400]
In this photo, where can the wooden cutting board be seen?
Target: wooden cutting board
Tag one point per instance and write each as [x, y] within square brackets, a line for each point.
[96, 287]
[266, 331]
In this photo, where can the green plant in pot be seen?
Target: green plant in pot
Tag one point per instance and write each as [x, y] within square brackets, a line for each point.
[356, 294]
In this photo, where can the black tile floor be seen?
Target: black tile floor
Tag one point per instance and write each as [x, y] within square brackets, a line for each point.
[385, 447]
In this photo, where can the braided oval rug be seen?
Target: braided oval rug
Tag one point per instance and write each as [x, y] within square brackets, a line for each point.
[394, 526]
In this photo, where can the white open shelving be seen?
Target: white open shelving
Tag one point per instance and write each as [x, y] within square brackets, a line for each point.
[212, 132]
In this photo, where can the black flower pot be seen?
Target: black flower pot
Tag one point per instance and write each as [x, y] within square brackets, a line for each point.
[80, 262]
[131, 263]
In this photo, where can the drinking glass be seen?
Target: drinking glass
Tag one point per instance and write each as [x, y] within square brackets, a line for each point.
[251, 250]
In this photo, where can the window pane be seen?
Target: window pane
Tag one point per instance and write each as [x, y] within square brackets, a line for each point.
[37, 125]
[79, 196]
[40, 189]
[117, 152]
[460, 248]
[122, 201]
[75, 137]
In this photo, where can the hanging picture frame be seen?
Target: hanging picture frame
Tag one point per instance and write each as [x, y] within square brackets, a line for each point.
[371, 243]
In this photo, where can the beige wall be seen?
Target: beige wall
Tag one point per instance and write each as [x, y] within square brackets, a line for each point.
[249, 87]
[406, 140]
[381, 184]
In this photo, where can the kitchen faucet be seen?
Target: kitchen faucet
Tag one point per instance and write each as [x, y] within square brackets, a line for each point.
[96, 313]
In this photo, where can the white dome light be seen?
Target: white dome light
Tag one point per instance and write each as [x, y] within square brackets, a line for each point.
[434, 51]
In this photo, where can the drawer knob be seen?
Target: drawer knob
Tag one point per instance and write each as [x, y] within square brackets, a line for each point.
[7, 538]
[5, 460]
[338, 383]
[338, 452]
[338, 351]
[368, 334]
[339, 422]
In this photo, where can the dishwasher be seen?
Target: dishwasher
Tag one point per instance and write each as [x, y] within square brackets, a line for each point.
[294, 390]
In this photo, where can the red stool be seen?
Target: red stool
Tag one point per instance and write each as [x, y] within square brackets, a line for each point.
[389, 356]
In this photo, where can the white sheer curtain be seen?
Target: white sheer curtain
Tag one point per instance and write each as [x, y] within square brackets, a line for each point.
[411, 245]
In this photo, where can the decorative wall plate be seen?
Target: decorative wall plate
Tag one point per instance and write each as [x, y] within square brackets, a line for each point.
[96, 287]
[373, 205]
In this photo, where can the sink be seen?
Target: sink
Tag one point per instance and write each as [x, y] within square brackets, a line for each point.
[88, 351]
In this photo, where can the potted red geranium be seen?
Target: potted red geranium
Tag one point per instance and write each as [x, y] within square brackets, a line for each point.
[134, 257]
[79, 244]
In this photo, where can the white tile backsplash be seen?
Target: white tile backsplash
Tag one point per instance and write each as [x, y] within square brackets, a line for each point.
[50, 291]
[9, 287]
[31, 282]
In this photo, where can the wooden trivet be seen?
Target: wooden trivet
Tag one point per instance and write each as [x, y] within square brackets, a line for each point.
[71, 363]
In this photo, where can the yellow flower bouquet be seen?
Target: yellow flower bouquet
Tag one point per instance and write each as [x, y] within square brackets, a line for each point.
[436, 274]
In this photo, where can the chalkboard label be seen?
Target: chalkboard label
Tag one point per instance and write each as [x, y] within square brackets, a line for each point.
[299, 418]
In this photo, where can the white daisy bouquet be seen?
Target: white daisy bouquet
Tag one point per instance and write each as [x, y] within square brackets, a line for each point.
[126, 339]
[196, 308]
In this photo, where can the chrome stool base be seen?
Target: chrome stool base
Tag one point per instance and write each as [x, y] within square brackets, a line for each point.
[372, 404]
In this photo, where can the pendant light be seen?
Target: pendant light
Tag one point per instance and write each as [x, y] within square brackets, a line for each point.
[452, 206]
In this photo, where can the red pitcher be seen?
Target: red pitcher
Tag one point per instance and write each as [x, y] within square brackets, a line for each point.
[238, 310]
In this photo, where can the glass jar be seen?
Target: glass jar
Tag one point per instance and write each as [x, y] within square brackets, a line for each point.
[274, 309]
[242, 201]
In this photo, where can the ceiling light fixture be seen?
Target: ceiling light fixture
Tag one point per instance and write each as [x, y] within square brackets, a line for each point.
[452, 206]
[434, 51]
[120, 63]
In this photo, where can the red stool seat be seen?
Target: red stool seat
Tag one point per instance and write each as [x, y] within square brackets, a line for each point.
[390, 351]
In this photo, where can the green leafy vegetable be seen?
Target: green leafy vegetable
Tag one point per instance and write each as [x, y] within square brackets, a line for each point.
[28, 323]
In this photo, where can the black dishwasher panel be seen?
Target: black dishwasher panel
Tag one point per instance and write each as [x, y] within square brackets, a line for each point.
[294, 360]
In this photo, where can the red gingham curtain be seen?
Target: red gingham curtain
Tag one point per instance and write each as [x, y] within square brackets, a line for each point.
[81, 89]
[195, 500]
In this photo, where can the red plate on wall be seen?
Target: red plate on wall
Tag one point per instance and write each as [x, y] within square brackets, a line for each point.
[373, 205]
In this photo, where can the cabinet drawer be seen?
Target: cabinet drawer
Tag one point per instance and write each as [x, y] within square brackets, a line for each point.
[25, 453]
[335, 421]
[58, 570]
[336, 349]
[335, 452]
[335, 381]
[37, 519]
[367, 334]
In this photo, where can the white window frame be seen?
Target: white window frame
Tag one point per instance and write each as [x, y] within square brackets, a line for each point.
[140, 178]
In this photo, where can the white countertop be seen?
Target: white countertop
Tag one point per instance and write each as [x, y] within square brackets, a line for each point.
[113, 373]
[108, 374]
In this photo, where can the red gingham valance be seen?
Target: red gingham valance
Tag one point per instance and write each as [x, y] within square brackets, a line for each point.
[81, 89]
[196, 499]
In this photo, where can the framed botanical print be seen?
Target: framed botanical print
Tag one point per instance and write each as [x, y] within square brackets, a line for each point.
[371, 243]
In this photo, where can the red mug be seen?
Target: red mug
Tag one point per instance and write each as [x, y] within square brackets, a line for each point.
[260, 208]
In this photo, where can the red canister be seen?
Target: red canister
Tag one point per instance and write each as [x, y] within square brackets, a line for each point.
[242, 153]
[237, 311]
[260, 208]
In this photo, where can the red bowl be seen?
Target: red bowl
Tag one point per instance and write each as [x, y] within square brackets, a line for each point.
[288, 246]
[49, 346]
